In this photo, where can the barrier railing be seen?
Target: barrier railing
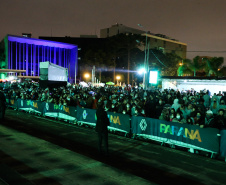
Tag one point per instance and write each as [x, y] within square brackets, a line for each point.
[185, 135]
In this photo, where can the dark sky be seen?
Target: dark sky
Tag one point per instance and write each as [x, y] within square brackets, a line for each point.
[199, 23]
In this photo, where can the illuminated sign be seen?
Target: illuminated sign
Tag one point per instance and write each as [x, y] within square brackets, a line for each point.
[153, 77]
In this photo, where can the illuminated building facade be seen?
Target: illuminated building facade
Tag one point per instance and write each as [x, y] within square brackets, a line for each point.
[22, 53]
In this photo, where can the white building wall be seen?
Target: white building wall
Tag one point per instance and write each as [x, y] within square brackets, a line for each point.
[214, 86]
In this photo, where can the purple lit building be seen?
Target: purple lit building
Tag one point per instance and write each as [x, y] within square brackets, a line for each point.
[22, 53]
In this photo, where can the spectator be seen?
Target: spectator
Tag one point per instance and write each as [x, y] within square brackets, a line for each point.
[176, 104]
[164, 115]
[199, 119]
[159, 108]
[220, 120]
[206, 98]
[209, 119]
[214, 106]
[172, 114]
[179, 118]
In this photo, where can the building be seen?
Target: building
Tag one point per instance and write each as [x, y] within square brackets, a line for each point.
[213, 84]
[24, 53]
[156, 41]
[85, 43]
[117, 29]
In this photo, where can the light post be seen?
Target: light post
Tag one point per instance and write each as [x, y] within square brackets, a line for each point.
[118, 78]
[142, 71]
[146, 57]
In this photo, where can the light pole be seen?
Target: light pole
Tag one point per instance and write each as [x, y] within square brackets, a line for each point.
[146, 57]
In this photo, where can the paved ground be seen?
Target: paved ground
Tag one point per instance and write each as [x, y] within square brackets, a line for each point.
[37, 150]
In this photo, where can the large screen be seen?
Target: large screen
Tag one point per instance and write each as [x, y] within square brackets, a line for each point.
[153, 77]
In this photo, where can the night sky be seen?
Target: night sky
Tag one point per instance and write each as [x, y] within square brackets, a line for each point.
[199, 23]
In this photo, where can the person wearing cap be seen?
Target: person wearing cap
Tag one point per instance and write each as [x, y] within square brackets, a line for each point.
[2, 104]
[209, 119]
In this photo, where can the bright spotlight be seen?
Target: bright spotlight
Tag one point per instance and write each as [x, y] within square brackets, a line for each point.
[141, 71]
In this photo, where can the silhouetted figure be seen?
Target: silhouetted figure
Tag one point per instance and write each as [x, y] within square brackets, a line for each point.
[101, 128]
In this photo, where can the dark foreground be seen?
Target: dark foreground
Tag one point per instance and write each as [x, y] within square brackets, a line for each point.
[37, 150]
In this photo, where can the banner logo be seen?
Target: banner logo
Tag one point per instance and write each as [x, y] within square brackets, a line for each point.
[66, 109]
[12, 102]
[178, 131]
[143, 125]
[84, 114]
[115, 119]
[35, 105]
[56, 106]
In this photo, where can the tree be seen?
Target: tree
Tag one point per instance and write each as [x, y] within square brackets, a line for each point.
[195, 65]
[126, 43]
[2, 58]
[184, 69]
[99, 59]
[213, 65]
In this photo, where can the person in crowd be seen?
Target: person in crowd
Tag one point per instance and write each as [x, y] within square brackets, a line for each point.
[176, 104]
[2, 104]
[209, 119]
[89, 102]
[150, 107]
[199, 119]
[94, 103]
[128, 109]
[223, 97]
[189, 120]
[183, 110]
[179, 118]
[169, 99]
[113, 108]
[222, 105]
[164, 115]
[172, 114]
[159, 108]
[214, 107]
[200, 106]
[142, 113]
[206, 98]
[220, 122]
[102, 124]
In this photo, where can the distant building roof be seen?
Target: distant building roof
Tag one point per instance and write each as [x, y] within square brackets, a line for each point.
[41, 42]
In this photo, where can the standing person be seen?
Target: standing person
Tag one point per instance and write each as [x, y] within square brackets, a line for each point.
[2, 104]
[101, 128]
[206, 98]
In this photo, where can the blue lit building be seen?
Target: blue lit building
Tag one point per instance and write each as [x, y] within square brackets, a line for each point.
[23, 53]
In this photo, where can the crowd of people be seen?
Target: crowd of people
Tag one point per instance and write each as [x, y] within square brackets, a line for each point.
[191, 107]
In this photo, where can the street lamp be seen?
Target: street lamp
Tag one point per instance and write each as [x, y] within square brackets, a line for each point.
[145, 57]
[86, 75]
[118, 78]
[143, 71]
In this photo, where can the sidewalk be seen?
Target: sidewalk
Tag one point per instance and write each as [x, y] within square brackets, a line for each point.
[61, 153]
[40, 162]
